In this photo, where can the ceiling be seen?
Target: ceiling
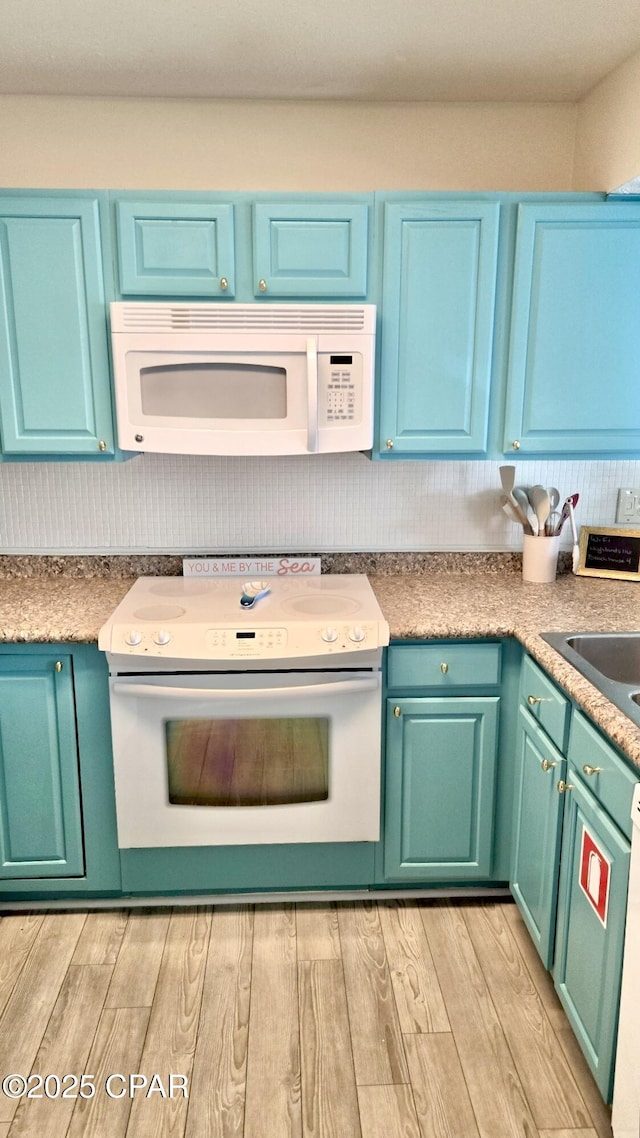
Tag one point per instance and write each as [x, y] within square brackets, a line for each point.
[431, 50]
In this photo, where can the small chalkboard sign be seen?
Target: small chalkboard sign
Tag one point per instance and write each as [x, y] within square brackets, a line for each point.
[609, 552]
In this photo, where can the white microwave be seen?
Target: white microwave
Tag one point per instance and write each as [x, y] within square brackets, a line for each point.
[245, 379]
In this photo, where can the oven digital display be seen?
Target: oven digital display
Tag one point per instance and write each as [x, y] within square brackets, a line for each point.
[245, 635]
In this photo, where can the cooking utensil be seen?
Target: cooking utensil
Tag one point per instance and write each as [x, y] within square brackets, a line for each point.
[522, 498]
[572, 500]
[507, 478]
[542, 506]
[575, 552]
[554, 497]
[514, 512]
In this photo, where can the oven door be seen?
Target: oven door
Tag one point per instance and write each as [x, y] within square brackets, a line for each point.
[209, 760]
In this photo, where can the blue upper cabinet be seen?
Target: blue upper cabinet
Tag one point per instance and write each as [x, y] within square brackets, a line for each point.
[55, 387]
[575, 332]
[310, 249]
[175, 248]
[439, 289]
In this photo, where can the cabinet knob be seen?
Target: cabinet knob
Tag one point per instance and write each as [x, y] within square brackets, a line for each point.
[547, 765]
[532, 700]
[444, 668]
[59, 665]
[262, 285]
[563, 786]
[102, 445]
[389, 444]
[397, 711]
[591, 770]
[224, 284]
[516, 444]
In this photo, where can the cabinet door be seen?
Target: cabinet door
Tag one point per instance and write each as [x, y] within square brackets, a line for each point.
[537, 826]
[590, 927]
[575, 333]
[307, 250]
[439, 283]
[40, 822]
[440, 774]
[175, 248]
[55, 386]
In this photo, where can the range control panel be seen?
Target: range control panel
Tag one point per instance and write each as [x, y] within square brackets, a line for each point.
[182, 641]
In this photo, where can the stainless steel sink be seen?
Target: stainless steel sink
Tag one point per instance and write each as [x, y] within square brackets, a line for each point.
[615, 655]
[609, 660]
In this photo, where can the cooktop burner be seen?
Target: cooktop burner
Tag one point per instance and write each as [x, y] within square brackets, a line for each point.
[171, 619]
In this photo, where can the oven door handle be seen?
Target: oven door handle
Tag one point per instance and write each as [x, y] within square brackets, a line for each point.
[337, 687]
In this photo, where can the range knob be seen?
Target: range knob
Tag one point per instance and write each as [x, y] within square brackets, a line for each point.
[133, 638]
[161, 637]
[329, 635]
[357, 634]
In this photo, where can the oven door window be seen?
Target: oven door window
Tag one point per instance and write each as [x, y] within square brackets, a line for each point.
[247, 762]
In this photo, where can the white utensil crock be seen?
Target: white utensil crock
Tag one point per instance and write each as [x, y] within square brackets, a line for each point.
[540, 559]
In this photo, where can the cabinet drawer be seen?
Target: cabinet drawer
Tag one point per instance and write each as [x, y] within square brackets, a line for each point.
[548, 705]
[611, 782]
[444, 666]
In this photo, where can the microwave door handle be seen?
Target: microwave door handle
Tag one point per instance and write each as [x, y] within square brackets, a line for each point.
[337, 687]
[312, 394]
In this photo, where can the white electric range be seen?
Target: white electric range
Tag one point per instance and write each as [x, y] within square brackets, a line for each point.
[238, 723]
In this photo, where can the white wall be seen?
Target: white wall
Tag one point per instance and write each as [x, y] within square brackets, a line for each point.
[233, 145]
[608, 131]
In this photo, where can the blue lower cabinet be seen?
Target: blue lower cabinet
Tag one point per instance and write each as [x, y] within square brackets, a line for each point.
[439, 781]
[537, 825]
[57, 810]
[594, 875]
[40, 817]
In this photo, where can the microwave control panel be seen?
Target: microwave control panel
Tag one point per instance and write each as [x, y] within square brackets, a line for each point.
[339, 389]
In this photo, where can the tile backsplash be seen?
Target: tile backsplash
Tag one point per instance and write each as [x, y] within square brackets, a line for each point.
[182, 504]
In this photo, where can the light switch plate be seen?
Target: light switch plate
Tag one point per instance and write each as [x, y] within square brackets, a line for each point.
[628, 508]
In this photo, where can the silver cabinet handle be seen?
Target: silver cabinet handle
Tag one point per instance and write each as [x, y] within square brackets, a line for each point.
[397, 711]
[224, 284]
[591, 770]
[563, 786]
[444, 668]
[59, 665]
[262, 285]
[547, 765]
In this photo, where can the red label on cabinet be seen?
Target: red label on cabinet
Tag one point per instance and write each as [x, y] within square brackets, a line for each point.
[594, 875]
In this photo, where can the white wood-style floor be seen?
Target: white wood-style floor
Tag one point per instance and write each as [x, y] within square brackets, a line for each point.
[381, 1019]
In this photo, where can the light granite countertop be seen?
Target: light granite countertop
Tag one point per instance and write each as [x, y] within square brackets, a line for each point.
[427, 604]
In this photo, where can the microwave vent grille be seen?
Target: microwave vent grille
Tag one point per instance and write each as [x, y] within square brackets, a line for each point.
[197, 318]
